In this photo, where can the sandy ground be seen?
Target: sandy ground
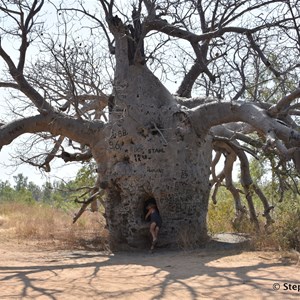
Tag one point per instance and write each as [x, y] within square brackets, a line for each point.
[28, 271]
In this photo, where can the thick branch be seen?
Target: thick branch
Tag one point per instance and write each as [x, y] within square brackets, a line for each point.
[51, 155]
[78, 130]
[192, 102]
[214, 162]
[227, 171]
[236, 133]
[208, 115]
[85, 156]
[171, 30]
[186, 86]
[283, 104]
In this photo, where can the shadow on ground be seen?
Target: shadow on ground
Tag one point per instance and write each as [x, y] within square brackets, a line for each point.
[220, 270]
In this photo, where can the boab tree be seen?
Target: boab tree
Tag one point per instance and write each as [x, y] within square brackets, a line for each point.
[235, 63]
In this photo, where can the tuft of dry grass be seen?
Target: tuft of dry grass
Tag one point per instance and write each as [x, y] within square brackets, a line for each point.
[52, 226]
[188, 238]
[3, 221]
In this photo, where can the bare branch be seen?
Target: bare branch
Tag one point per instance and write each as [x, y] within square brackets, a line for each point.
[23, 85]
[26, 26]
[86, 203]
[261, 54]
[9, 85]
[283, 105]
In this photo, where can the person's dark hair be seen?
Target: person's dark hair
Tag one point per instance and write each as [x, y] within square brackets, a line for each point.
[148, 202]
[151, 205]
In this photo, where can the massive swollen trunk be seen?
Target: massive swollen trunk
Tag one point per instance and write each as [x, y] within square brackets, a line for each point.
[153, 151]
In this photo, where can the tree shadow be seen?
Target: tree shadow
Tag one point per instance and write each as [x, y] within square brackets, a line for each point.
[194, 273]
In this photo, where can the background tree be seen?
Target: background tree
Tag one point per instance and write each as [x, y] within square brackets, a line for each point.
[154, 143]
[21, 182]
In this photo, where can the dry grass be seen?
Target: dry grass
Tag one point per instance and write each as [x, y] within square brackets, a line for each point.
[188, 238]
[52, 227]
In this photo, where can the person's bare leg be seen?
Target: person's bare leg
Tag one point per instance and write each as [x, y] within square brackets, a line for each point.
[156, 232]
[153, 230]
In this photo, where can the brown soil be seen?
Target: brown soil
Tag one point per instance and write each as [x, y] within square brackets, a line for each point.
[34, 271]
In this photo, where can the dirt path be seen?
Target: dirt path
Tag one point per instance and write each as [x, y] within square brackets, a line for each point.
[28, 272]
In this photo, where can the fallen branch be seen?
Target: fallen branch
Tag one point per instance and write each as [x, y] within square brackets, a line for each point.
[86, 203]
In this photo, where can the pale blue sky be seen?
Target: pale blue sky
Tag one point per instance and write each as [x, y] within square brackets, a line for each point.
[59, 170]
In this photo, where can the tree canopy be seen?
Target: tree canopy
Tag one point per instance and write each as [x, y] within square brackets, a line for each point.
[231, 69]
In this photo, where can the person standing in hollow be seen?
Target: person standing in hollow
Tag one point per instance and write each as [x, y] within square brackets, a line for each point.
[155, 223]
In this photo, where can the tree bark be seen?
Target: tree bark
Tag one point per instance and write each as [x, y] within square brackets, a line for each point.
[153, 152]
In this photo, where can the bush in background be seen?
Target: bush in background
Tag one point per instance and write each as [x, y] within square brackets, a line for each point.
[221, 215]
[283, 234]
